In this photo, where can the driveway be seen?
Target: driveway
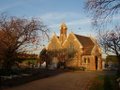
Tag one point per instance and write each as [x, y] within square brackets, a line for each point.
[65, 81]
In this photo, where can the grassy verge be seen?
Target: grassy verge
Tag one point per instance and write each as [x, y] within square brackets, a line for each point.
[32, 74]
[104, 83]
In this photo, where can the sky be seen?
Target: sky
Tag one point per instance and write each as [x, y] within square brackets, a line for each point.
[53, 13]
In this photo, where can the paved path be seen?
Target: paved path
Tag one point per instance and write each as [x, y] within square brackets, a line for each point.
[65, 81]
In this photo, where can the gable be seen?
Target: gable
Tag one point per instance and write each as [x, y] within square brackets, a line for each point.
[96, 50]
[72, 41]
[54, 43]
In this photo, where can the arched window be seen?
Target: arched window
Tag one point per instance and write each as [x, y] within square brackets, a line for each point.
[88, 60]
[84, 60]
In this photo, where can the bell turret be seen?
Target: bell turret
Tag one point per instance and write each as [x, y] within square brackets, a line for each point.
[63, 32]
[63, 29]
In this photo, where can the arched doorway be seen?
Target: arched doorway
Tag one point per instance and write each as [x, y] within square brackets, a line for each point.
[96, 62]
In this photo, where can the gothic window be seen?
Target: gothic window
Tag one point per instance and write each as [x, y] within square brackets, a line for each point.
[71, 47]
[54, 46]
[84, 60]
[88, 60]
[71, 51]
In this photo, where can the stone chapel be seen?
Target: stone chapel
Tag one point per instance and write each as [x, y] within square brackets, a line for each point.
[75, 50]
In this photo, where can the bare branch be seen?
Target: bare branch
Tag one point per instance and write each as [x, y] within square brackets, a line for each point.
[19, 34]
[102, 11]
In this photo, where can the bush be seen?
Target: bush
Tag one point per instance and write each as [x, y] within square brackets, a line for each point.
[82, 68]
[76, 68]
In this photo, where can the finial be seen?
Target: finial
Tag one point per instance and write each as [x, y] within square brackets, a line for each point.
[63, 26]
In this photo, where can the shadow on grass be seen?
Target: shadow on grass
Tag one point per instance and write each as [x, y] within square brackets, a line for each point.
[28, 77]
[105, 82]
[108, 85]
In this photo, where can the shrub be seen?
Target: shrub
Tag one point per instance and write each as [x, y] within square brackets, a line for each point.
[76, 68]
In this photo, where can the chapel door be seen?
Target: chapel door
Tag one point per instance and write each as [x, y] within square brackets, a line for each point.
[96, 62]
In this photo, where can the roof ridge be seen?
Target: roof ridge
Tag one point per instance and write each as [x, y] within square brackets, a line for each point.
[82, 35]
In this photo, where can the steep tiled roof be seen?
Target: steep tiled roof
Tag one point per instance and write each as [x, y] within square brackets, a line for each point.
[86, 42]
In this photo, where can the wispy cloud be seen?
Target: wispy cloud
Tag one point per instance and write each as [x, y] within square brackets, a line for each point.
[5, 7]
[8, 5]
[74, 23]
[117, 17]
[60, 15]
[70, 18]
[64, 17]
[13, 3]
[80, 22]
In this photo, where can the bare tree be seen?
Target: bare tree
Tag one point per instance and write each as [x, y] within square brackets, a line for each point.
[102, 10]
[18, 35]
[110, 40]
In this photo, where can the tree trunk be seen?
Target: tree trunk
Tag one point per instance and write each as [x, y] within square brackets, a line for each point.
[9, 60]
[118, 72]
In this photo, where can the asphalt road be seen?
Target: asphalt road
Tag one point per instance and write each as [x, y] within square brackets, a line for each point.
[65, 81]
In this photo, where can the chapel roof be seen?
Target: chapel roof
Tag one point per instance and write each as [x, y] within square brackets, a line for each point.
[86, 42]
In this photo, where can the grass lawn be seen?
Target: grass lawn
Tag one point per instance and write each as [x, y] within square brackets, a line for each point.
[30, 61]
[104, 83]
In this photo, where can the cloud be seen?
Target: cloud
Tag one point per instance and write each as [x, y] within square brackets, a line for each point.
[116, 17]
[59, 15]
[77, 22]
[74, 23]
[13, 3]
[5, 7]
[70, 18]
[80, 22]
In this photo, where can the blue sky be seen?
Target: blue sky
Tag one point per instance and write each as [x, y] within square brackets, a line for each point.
[52, 13]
